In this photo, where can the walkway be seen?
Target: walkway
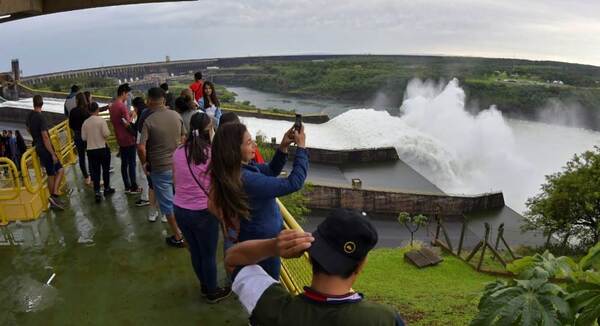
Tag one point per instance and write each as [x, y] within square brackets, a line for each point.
[112, 268]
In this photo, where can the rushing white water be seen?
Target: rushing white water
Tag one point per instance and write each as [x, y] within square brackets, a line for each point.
[458, 151]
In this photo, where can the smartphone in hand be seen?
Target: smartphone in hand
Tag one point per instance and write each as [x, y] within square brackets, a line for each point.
[298, 122]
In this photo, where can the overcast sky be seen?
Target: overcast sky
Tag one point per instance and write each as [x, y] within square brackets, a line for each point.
[544, 30]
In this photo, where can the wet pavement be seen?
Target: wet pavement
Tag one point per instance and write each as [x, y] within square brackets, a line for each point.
[112, 268]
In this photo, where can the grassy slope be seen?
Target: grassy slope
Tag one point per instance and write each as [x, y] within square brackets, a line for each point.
[446, 294]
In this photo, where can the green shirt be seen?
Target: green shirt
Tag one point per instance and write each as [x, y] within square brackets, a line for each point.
[269, 304]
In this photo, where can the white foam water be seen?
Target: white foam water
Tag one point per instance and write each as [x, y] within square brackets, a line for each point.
[458, 151]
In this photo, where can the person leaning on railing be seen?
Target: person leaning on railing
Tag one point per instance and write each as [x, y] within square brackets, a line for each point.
[38, 128]
[338, 252]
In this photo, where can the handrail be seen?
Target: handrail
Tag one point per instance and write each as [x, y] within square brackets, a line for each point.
[51, 93]
[295, 273]
[31, 154]
[14, 176]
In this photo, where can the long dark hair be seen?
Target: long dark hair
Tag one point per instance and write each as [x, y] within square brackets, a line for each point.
[197, 143]
[213, 95]
[227, 190]
[81, 101]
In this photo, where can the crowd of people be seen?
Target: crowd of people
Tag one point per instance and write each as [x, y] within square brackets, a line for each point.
[205, 177]
[12, 146]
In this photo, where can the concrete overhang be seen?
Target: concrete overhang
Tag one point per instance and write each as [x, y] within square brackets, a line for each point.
[18, 9]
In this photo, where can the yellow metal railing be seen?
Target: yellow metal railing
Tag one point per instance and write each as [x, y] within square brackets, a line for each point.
[62, 141]
[50, 93]
[24, 195]
[295, 273]
[27, 201]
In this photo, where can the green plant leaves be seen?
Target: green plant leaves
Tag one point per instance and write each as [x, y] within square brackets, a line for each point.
[585, 300]
[522, 302]
[543, 266]
[533, 300]
[592, 259]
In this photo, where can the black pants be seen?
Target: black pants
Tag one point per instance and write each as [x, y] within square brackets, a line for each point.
[128, 166]
[80, 145]
[99, 160]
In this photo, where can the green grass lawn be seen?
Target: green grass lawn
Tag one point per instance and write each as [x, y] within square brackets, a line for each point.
[446, 294]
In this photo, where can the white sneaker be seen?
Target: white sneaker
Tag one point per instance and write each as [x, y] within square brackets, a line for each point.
[163, 218]
[153, 216]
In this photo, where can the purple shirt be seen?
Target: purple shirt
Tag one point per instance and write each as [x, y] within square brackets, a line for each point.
[188, 193]
[118, 111]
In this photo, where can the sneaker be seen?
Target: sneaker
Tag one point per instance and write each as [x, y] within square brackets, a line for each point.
[134, 191]
[142, 203]
[55, 203]
[218, 295]
[153, 216]
[109, 191]
[171, 241]
[98, 197]
[163, 218]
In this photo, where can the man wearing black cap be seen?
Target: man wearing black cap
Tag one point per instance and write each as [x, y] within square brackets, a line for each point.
[338, 250]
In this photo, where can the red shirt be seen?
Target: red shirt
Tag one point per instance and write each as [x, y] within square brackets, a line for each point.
[118, 110]
[198, 88]
[258, 157]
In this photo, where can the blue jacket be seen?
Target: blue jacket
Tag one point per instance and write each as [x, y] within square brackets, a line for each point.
[262, 187]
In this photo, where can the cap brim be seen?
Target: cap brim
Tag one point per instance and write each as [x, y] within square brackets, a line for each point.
[331, 260]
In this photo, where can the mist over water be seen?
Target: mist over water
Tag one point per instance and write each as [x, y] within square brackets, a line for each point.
[481, 149]
[459, 151]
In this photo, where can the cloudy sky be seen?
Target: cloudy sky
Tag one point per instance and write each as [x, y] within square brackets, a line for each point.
[549, 30]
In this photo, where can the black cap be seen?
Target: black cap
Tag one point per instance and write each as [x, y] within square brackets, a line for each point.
[342, 241]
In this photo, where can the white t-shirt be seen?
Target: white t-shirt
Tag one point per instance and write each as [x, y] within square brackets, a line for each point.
[250, 284]
[211, 111]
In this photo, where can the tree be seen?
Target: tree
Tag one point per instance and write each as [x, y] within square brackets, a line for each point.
[569, 203]
[412, 223]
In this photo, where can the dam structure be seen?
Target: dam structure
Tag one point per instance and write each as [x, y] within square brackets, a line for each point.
[374, 180]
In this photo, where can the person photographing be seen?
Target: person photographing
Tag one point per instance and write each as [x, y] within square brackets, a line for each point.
[338, 252]
[253, 213]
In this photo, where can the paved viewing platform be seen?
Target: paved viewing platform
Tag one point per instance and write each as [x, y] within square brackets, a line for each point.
[112, 267]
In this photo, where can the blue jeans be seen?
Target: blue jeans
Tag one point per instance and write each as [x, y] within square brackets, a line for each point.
[163, 190]
[128, 166]
[201, 231]
[81, 145]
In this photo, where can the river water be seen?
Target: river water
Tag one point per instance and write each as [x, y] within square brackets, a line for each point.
[459, 152]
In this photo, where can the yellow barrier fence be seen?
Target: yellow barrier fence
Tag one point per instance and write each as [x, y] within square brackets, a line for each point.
[295, 273]
[26, 201]
[24, 194]
[62, 141]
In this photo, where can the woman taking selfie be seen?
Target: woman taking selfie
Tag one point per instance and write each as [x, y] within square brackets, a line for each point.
[192, 183]
[244, 192]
